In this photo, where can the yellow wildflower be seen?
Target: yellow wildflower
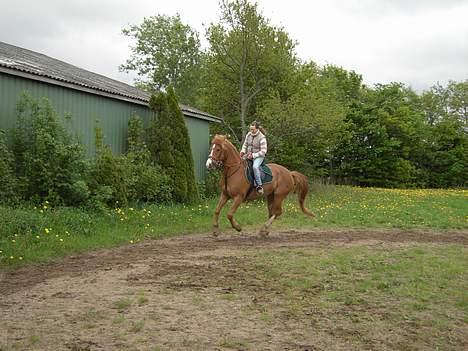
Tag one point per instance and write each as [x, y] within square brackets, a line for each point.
[47, 230]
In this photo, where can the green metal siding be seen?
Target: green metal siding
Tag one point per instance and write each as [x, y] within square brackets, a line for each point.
[85, 108]
[199, 140]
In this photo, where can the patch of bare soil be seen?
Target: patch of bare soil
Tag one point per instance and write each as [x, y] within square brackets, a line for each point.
[186, 293]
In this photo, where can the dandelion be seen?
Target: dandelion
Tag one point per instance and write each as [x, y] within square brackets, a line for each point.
[38, 237]
[131, 208]
[131, 241]
[61, 239]
[47, 230]
[12, 257]
[20, 258]
[13, 241]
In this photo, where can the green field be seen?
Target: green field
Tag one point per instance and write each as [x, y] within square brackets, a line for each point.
[41, 233]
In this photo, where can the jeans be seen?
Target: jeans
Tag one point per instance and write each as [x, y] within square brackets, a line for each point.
[256, 169]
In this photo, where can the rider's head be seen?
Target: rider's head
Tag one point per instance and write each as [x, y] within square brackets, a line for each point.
[254, 127]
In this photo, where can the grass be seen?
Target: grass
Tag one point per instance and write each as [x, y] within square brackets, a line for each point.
[404, 298]
[42, 233]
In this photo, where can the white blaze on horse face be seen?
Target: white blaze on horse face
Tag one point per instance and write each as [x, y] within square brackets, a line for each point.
[209, 162]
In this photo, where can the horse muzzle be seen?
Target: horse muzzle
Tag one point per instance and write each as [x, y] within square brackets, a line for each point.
[212, 164]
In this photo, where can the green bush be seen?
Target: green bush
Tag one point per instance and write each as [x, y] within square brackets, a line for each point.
[8, 183]
[147, 183]
[50, 165]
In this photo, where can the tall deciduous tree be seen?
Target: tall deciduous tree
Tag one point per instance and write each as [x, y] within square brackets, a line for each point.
[305, 129]
[247, 58]
[166, 52]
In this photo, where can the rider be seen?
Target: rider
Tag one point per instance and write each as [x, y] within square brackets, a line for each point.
[255, 147]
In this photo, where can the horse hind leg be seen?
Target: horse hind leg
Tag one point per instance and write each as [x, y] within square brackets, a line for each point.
[275, 210]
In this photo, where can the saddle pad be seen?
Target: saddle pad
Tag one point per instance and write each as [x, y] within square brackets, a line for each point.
[265, 171]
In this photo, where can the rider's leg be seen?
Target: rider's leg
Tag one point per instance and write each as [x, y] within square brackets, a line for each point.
[256, 168]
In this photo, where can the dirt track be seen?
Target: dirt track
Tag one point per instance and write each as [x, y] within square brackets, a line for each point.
[171, 294]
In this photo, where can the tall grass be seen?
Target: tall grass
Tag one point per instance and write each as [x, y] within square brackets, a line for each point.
[41, 233]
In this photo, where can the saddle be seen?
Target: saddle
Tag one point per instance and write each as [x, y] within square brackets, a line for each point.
[265, 173]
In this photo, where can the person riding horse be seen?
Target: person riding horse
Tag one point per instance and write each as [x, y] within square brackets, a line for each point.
[255, 148]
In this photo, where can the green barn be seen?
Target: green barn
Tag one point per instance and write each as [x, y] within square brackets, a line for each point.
[87, 97]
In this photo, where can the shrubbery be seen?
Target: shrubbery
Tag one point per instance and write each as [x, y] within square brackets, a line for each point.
[47, 165]
[50, 165]
[8, 184]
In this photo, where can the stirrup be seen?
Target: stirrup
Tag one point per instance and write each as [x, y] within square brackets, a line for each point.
[260, 190]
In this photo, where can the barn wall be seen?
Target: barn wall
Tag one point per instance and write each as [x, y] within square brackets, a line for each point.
[86, 108]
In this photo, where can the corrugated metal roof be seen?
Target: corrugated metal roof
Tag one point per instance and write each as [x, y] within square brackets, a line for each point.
[40, 66]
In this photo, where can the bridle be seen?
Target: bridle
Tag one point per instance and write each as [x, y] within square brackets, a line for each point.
[219, 163]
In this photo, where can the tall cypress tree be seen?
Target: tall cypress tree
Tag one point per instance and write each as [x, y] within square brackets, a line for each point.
[185, 183]
[160, 134]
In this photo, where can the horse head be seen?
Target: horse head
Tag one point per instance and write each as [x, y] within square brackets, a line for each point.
[217, 152]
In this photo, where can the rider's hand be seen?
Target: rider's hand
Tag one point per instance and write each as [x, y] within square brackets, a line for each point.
[241, 154]
[250, 156]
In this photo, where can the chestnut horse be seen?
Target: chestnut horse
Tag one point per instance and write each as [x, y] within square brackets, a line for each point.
[234, 185]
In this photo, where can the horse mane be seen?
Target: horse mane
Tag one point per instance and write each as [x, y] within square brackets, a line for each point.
[224, 141]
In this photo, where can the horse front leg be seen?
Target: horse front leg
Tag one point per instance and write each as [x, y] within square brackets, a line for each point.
[221, 202]
[235, 205]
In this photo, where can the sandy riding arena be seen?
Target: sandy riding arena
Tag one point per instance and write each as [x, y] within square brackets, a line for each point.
[316, 290]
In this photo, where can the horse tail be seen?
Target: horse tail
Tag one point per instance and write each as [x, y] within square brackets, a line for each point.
[301, 188]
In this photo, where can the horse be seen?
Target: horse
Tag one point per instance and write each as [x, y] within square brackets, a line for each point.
[234, 185]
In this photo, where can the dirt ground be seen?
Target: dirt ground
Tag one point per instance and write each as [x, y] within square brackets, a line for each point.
[185, 293]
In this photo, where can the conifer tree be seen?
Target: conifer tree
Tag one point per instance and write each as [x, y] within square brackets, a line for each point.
[185, 184]
[160, 134]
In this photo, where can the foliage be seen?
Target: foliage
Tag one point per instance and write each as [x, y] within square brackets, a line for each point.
[146, 182]
[305, 129]
[387, 131]
[248, 58]
[185, 186]
[169, 145]
[108, 174]
[167, 52]
[49, 164]
[8, 184]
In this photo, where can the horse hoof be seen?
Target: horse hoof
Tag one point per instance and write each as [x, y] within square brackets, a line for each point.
[264, 233]
[239, 229]
[215, 233]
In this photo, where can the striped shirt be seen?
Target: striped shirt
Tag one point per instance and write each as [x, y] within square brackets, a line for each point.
[256, 144]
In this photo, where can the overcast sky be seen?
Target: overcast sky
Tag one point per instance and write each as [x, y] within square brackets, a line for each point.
[417, 42]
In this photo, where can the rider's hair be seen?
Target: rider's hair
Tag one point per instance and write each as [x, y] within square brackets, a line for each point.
[258, 126]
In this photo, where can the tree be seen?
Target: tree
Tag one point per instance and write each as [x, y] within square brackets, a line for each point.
[185, 187]
[248, 57]
[305, 129]
[167, 52]
[169, 145]
[387, 133]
